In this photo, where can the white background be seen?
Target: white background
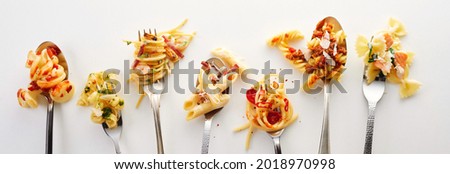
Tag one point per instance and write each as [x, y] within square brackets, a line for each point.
[90, 34]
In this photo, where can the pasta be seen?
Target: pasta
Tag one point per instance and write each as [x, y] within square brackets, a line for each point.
[156, 54]
[268, 108]
[46, 76]
[384, 56]
[211, 84]
[100, 93]
[328, 53]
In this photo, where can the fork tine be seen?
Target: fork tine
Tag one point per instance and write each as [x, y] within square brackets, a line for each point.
[149, 31]
[155, 31]
[139, 35]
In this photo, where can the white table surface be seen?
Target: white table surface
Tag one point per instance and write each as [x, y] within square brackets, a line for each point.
[90, 34]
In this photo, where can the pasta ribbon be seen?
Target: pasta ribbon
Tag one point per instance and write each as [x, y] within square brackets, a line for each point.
[46, 76]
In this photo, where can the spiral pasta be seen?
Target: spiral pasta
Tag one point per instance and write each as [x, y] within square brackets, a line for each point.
[46, 76]
[383, 56]
[268, 108]
[156, 54]
[328, 53]
[209, 94]
[100, 93]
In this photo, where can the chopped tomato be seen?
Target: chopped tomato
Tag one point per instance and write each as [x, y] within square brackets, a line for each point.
[273, 117]
[135, 63]
[251, 93]
[286, 102]
[141, 50]
[69, 89]
[291, 49]
[33, 86]
[275, 39]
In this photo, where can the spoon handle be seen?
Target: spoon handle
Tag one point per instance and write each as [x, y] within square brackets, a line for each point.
[206, 135]
[49, 133]
[276, 144]
[324, 146]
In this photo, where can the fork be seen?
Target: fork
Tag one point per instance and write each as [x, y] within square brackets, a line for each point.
[114, 133]
[218, 64]
[276, 140]
[373, 93]
[154, 94]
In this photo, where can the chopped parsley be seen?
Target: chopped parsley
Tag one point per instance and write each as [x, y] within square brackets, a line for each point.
[87, 89]
[105, 91]
[128, 42]
[121, 102]
[106, 112]
[372, 58]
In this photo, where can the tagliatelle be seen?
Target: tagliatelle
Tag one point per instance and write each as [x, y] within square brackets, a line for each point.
[210, 86]
[156, 54]
[328, 53]
[46, 76]
[99, 92]
[268, 108]
[383, 56]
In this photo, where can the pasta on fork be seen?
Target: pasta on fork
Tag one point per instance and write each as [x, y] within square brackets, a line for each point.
[268, 107]
[209, 94]
[155, 54]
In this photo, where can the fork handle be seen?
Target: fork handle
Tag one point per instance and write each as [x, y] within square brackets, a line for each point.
[276, 144]
[369, 130]
[154, 101]
[49, 131]
[206, 135]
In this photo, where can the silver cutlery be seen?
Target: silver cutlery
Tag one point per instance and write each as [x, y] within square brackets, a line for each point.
[324, 144]
[218, 66]
[154, 91]
[155, 96]
[276, 140]
[114, 133]
[50, 105]
[373, 93]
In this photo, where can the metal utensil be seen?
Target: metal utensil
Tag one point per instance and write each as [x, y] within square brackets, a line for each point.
[373, 93]
[153, 91]
[324, 145]
[218, 66]
[49, 129]
[276, 140]
[114, 133]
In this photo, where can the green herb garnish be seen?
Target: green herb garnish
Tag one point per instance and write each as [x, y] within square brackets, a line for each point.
[128, 42]
[121, 102]
[372, 58]
[87, 89]
[106, 112]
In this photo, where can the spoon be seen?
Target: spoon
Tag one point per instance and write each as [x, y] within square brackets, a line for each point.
[63, 63]
[217, 66]
[324, 145]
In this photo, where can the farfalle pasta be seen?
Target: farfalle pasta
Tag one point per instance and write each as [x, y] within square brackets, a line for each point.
[46, 76]
[156, 54]
[383, 56]
[328, 53]
[210, 86]
[268, 107]
[100, 93]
